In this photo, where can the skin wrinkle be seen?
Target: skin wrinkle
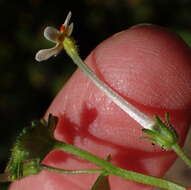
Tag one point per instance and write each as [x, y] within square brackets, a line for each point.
[153, 54]
[164, 84]
[162, 38]
[167, 82]
[130, 78]
[114, 73]
[150, 71]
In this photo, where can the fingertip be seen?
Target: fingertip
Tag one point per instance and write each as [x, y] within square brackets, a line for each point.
[150, 59]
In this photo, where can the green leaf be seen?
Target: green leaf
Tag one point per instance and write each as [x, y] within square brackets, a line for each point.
[31, 146]
[102, 183]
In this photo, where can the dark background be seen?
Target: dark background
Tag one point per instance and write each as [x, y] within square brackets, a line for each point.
[28, 87]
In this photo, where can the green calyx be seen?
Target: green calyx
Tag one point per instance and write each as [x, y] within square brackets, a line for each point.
[163, 133]
[31, 146]
[70, 46]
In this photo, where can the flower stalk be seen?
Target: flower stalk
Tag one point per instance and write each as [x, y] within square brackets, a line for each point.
[133, 112]
[111, 169]
[62, 171]
[182, 154]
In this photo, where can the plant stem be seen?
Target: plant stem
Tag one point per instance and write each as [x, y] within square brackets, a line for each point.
[49, 168]
[132, 111]
[114, 170]
[182, 154]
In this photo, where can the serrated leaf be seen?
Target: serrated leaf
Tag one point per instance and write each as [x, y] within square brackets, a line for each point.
[101, 183]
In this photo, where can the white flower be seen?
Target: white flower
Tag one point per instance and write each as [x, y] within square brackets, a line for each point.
[56, 36]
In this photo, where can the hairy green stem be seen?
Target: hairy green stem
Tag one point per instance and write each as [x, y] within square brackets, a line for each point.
[182, 154]
[49, 168]
[132, 111]
[114, 170]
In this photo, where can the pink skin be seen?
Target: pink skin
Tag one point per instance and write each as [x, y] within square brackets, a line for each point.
[148, 65]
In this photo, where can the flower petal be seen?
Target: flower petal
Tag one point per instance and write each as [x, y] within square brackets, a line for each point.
[70, 29]
[66, 22]
[51, 34]
[45, 54]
